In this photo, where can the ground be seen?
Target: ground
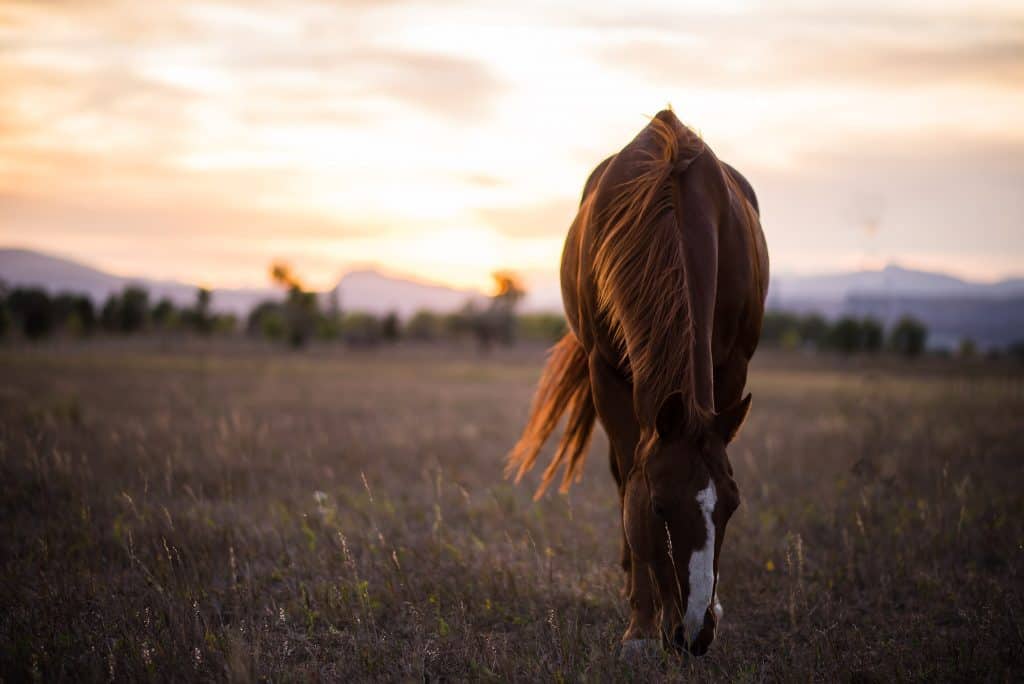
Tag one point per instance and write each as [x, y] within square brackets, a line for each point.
[237, 513]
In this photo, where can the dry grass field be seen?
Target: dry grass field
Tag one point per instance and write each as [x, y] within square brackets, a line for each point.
[242, 515]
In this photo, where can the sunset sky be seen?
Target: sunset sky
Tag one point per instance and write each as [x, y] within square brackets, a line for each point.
[199, 141]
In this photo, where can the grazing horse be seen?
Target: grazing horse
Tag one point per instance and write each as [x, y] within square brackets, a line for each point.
[664, 276]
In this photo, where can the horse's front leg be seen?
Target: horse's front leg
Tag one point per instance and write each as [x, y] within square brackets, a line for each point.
[644, 630]
[643, 634]
[613, 398]
[624, 556]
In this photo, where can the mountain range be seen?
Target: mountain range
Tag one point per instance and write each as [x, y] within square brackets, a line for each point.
[990, 313]
[363, 290]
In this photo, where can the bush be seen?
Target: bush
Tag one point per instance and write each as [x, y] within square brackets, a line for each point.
[361, 328]
[425, 326]
[127, 312]
[908, 337]
[967, 349]
[272, 326]
[542, 327]
[165, 316]
[871, 335]
[845, 336]
[5, 319]
[390, 328]
[850, 335]
[791, 331]
[776, 325]
[33, 311]
[1016, 350]
[328, 328]
[813, 330]
[75, 314]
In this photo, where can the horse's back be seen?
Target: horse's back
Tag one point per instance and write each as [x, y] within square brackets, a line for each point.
[717, 219]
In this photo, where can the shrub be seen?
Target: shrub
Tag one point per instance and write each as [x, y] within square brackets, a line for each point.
[908, 337]
[543, 327]
[425, 326]
[33, 311]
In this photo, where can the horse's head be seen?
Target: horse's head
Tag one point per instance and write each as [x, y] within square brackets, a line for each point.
[678, 499]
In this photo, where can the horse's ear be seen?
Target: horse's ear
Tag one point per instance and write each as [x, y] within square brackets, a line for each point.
[671, 420]
[729, 421]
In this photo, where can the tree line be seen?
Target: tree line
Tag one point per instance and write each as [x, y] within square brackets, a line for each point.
[295, 320]
[302, 316]
[35, 314]
[847, 335]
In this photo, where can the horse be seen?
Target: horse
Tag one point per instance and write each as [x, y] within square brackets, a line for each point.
[664, 275]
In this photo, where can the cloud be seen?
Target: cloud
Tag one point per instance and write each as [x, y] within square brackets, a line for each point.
[441, 84]
[179, 238]
[552, 217]
[793, 46]
[236, 127]
[444, 85]
[959, 198]
[822, 61]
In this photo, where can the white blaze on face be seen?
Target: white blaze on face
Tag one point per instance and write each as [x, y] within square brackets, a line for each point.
[702, 567]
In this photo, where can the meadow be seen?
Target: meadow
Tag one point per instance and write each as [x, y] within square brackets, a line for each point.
[239, 514]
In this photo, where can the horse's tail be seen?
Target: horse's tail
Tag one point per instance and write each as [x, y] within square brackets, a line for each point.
[564, 385]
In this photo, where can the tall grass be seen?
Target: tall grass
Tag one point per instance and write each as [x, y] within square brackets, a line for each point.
[168, 518]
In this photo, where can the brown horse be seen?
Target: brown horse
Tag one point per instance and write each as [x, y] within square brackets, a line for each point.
[664, 276]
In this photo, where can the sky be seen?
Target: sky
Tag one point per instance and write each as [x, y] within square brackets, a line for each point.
[200, 141]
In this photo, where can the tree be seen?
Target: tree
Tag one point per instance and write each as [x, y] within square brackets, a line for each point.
[300, 307]
[361, 328]
[907, 338]
[165, 315]
[199, 317]
[777, 325]
[134, 314]
[110, 314]
[542, 327]
[813, 330]
[967, 349]
[850, 335]
[496, 321]
[300, 315]
[1016, 350]
[5, 318]
[266, 320]
[845, 335]
[74, 314]
[127, 312]
[424, 326]
[32, 309]
[390, 328]
[871, 335]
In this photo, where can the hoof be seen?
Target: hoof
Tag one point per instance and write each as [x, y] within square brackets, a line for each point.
[638, 650]
[718, 610]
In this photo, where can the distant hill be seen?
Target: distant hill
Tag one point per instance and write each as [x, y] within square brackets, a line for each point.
[370, 290]
[56, 274]
[891, 280]
[363, 290]
[988, 320]
[992, 314]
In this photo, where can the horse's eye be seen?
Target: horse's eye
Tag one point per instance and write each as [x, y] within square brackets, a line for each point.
[658, 509]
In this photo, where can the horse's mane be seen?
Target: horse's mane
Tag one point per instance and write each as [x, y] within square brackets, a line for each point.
[641, 272]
